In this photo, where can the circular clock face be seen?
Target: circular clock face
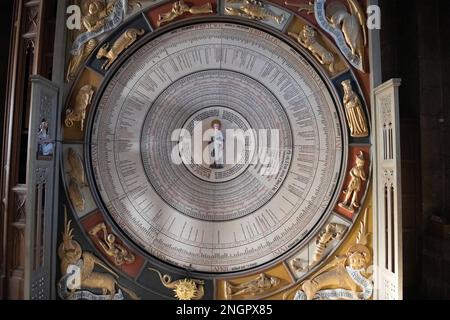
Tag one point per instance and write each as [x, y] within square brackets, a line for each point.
[217, 147]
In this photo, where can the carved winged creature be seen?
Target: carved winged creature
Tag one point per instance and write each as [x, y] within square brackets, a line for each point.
[95, 16]
[346, 277]
[352, 25]
[71, 254]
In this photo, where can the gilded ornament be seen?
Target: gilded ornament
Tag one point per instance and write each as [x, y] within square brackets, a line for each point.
[308, 7]
[260, 285]
[345, 278]
[357, 177]
[79, 280]
[99, 17]
[352, 24]
[330, 233]
[120, 45]
[107, 242]
[184, 289]
[308, 39]
[76, 196]
[179, 8]
[78, 112]
[255, 10]
[354, 112]
[76, 167]
[340, 22]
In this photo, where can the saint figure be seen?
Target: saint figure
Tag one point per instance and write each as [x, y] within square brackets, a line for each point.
[216, 146]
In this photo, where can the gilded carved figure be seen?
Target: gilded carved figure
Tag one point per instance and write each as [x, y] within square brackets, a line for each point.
[76, 167]
[347, 22]
[179, 8]
[345, 278]
[260, 285]
[99, 17]
[352, 24]
[77, 113]
[109, 245]
[184, 289]
[79, 280]
[357, 177]
[120, 45]
[255, 10]
[354, 112]
[332, 232]
[308, 39]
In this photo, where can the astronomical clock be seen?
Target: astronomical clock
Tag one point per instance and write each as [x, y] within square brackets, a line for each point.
[158, 94]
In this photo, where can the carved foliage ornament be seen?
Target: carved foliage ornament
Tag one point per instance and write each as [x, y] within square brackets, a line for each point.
[79, 280]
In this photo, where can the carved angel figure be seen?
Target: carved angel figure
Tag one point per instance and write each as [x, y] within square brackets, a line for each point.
[98, 17]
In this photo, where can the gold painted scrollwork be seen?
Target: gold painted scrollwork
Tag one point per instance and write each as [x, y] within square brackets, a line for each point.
[354, 112]
[257, 286]
[184, 289]
[79, 280]
[107, 242]
[120, 45]
[179, 8]
[346, 277]
[357, 177]
[255, 10]
[308, 39]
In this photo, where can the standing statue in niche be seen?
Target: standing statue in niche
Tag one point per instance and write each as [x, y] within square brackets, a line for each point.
[45, 144]
[353, 110]
[216, 145]
[357, 177]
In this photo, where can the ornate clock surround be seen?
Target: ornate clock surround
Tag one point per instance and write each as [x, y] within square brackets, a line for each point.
[215, 281]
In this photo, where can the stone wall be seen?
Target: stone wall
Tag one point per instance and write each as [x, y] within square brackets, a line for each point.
[416, 47]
